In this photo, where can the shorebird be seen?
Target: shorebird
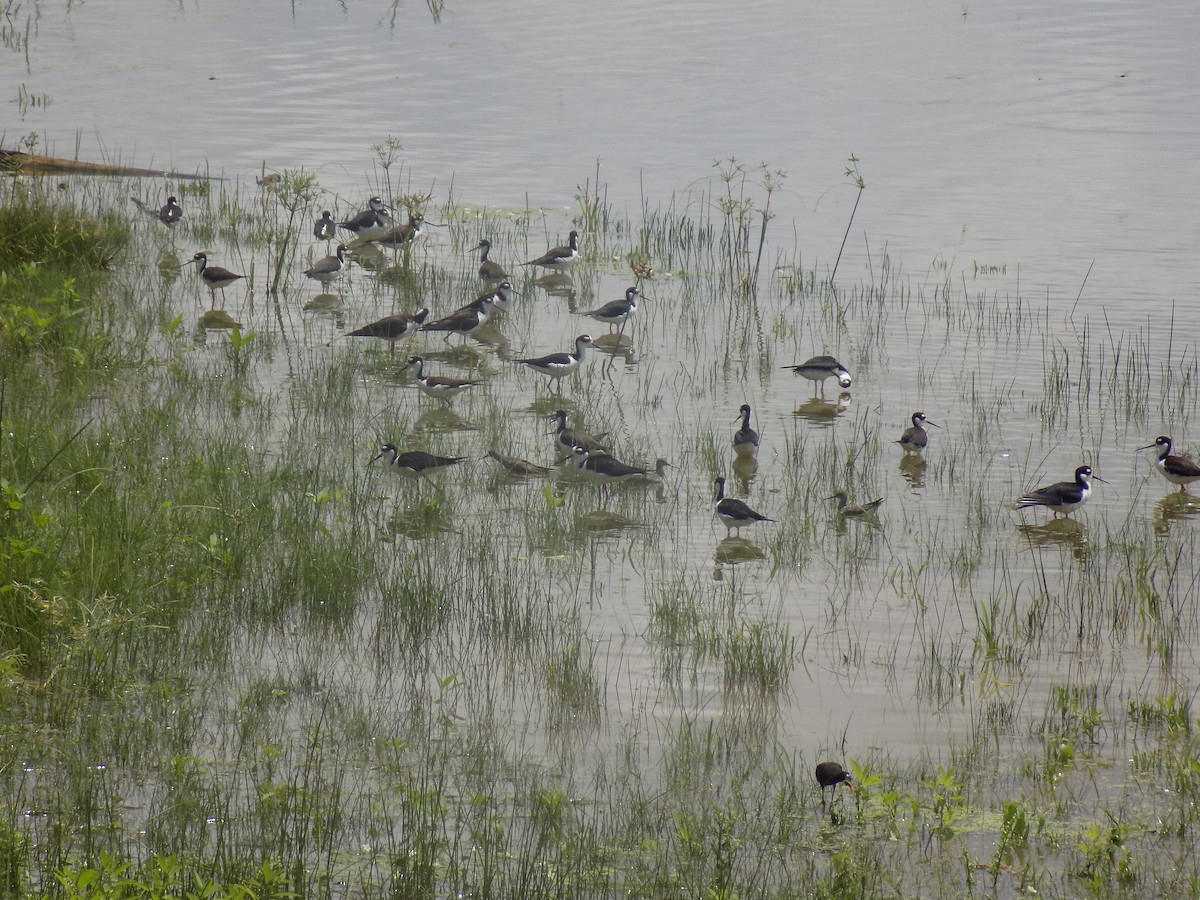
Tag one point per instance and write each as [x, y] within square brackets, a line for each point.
[500, 298]
[830, 775]
[1178, 470]
[325, 228]
[328, 268]
[371, 222]
[915, 438]
[414, 463]
[615, 312]
[604, 469]
[170, 215]
[570, 438]
[435, 385]
[745, 440]
[214, 277]
[557, 366]
[558, 259]
[463, 321]
[1063, 496]
[734, 514]
[514, 465]
[488, 270]
[819, 368]
[392, 328]
[398, 236]
[854, 510]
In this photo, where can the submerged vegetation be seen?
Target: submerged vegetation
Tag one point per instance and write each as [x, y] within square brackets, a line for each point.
[239, 660]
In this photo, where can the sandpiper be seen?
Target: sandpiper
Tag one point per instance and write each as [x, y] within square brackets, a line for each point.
[854, 510]
[325, 228]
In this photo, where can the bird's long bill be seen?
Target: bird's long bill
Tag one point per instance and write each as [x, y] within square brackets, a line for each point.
[851, 786]
[373, 458]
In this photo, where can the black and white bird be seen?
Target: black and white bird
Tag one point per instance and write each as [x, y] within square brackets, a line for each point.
[465, 321]
[1063, 496]
[371, 222]
[557, 366]
[328, 268]
[915, 438]
[830, 775]
[488, 270]
[604, 469]
[326, 228]
[170, 214]
[500, 298]
[414, 463]
[398, 236]
[735, 514]
[436, 386]
[213, 277]
[745, 440]
[849, 510]
[819, 368]
[393, 328]
[559, 259]
[570, 438]
[1180, 470]
[616, 312]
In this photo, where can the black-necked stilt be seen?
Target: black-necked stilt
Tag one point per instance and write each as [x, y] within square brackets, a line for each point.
[830, 775]
[500, 298]
[514, 465]
[853, 510]
[325, 228]
[213, 277]
[1064, 496]
[371, 222]
[557, 366]
[1178, 470]
[615, 312]
[570, 438]
[434, 385]
[745, 441]
[328, 268]
[558, 259]
[398, 236]
[463, 321]
[605, 469]
[819, 368]
[915, 438]
[734, 514]
[414, 463]
[488, 270]
[170, 215]
[393, 328]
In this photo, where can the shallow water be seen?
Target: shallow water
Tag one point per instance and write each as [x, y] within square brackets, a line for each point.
[1021, 151]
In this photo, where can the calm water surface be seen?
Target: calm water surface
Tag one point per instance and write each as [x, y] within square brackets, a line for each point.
[1051, 145]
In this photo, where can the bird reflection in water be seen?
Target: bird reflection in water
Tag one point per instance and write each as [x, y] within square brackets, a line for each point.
[821, 411]
[1064, 532]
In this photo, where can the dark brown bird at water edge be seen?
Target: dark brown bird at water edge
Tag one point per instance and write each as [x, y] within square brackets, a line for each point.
[830, 775]
[392, 328]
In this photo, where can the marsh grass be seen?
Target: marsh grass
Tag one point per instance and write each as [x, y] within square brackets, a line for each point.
[240, 660]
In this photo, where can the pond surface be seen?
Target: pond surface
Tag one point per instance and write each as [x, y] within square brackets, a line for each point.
[1028, 213]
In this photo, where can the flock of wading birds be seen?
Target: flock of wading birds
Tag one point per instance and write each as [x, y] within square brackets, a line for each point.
[590, 456]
